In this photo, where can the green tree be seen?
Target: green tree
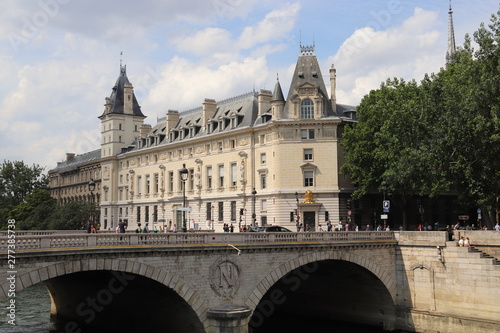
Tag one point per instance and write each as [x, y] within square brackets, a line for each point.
[391, 149]
[34, 213]
[71, 216]
[441, 135]
[472, 90]
[17, 181]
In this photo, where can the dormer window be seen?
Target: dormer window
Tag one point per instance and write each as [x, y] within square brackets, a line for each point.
[307, 109]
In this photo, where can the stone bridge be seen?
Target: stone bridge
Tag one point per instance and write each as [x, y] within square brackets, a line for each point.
[249, 282]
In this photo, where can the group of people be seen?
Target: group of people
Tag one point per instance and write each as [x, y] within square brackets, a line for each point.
[91, 228]
[458, 226]
[228, 228]
[464, 242]
[300, 227]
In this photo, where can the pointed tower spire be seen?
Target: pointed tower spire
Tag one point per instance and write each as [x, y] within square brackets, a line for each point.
[451, 38]
[278, 93]
[277, 101]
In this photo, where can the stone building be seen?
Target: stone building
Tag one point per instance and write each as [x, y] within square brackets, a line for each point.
[69, 180]
[249, 158]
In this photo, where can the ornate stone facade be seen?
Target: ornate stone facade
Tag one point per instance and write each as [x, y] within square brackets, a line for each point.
[246, 157]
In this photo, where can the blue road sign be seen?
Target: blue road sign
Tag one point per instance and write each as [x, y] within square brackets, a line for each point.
[479, 211]
[386, 205]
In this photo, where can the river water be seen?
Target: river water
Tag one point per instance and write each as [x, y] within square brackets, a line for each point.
[33, 316]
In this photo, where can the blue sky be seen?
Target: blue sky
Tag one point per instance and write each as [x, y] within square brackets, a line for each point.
[60, 58]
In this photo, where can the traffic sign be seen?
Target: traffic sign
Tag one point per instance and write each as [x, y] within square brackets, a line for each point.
[386, 204]
[182, 209]
[479, 211]
[384, 217]
[349, 212]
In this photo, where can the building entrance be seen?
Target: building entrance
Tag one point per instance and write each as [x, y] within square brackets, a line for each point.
[310, 218]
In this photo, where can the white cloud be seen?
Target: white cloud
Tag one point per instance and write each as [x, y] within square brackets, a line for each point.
[207, 41]
[277, 24]
[274, 26]
[44, 105]
[183, 84]
[369, 57]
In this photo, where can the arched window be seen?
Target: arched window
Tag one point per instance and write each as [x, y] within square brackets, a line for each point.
[306, 109]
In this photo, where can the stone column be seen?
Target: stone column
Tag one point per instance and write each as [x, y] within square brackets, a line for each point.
[229, 318]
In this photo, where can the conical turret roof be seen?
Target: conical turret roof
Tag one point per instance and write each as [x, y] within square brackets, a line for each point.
[278, 93]
[116, 99]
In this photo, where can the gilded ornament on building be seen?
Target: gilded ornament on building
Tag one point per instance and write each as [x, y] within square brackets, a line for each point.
[308, 196]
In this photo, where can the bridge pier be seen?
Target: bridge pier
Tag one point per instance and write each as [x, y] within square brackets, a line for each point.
[228, 319]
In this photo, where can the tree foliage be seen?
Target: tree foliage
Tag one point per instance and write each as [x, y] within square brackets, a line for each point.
[442, 134]
[71, 216]
[17, 181]
[34, 213]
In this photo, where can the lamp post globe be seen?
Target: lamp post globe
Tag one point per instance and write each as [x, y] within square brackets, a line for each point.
[184, 175]
[254, 216]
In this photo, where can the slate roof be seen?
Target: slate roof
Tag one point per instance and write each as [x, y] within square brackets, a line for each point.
[78, 160]
[242, 108]
[278, 93]
[117, 96]
[307, 70]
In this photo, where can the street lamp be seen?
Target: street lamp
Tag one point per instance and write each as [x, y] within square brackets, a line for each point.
[421, 211]
[297, 201]
[212, 216]
[184, 175]
[91, 189]
[254, 217]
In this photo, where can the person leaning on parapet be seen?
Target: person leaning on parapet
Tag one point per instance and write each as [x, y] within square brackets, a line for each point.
[497, 227]
[329, 226]
[122, 225]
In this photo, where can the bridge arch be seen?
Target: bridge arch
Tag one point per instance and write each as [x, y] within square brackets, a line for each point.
[174, 282]
[268, 281]
[324, 284]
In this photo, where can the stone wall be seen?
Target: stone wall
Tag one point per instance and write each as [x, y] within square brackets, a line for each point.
[450, 288]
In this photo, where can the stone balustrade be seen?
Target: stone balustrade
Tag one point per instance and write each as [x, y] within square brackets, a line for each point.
[55, 240]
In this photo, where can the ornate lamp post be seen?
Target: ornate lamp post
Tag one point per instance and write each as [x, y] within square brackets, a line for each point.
[254, 217]
[297, 217]
[421, 211]
[184, 175]
[212, 216]
[91, 189]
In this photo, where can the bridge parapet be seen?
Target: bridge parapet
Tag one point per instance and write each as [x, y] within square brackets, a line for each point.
[77, 240]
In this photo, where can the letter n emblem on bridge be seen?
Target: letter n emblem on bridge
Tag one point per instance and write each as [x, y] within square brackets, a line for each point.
[225, 277]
